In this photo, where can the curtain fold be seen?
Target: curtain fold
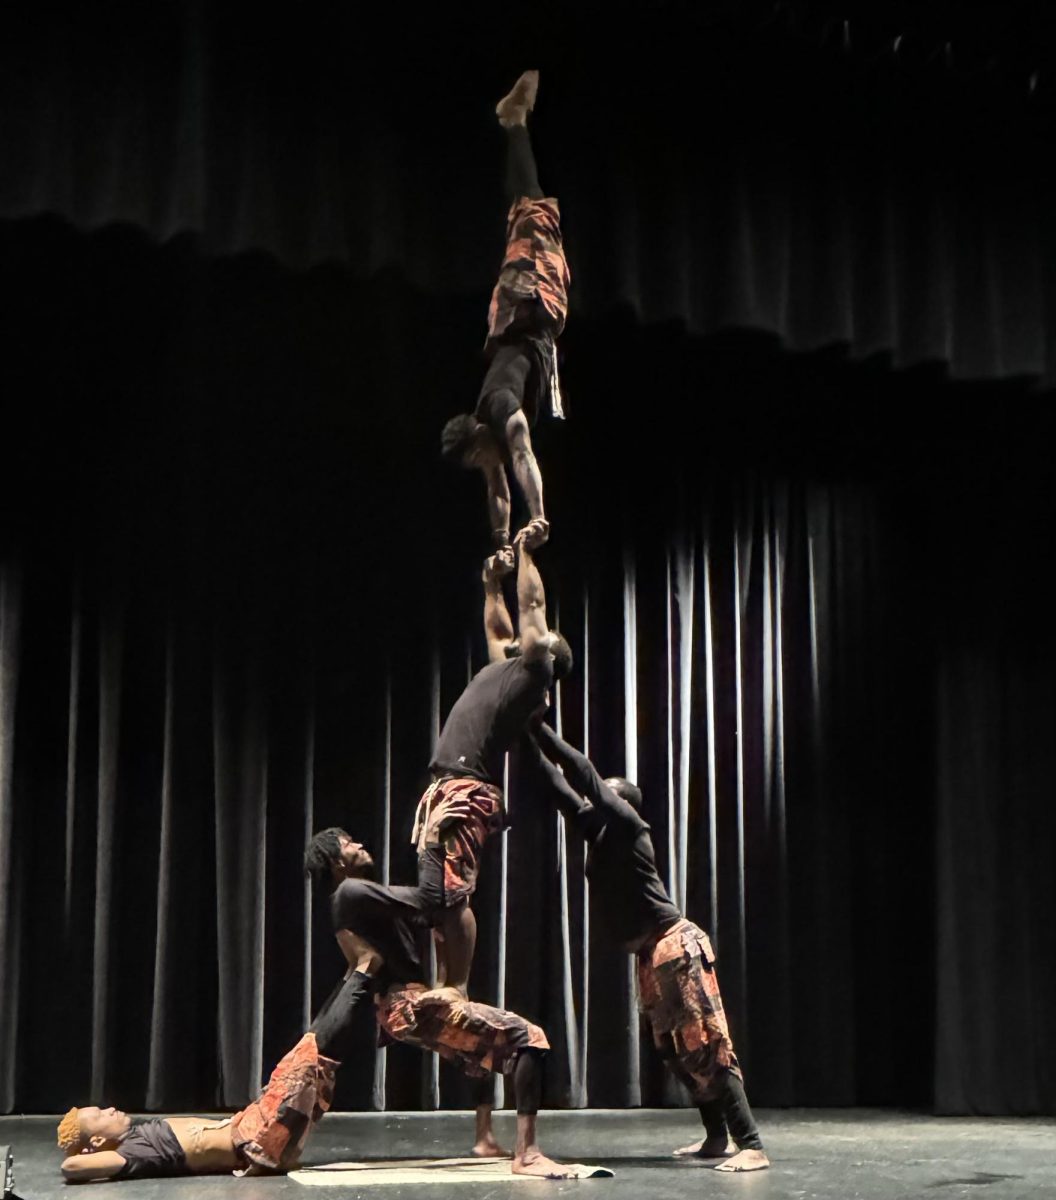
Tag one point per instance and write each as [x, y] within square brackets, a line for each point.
[10, 876]
[104, 969]
[773, 794]
[241, 780]
[870, 205]
[164, 977]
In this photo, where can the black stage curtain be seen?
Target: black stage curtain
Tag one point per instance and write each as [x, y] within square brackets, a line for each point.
[716, 163]
[238, 591]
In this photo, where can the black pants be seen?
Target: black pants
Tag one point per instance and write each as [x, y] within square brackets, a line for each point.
[730, 1111]
[333, 1025]
[522, 176]
[512, 362]
[527, 1084]
[506, 385]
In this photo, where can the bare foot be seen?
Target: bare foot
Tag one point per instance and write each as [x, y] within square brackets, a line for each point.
[745, 1160]
[519, 101]
[707, 1148]
[535, 1162]
[488, 1147]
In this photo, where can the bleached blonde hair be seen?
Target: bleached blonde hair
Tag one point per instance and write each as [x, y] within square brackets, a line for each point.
[70, 1137]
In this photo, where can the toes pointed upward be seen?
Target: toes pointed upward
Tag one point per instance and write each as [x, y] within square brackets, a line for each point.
[519, 101]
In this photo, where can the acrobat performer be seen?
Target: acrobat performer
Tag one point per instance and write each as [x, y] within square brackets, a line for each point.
[678, 986]
[526, 316]
[488, 717]
[376, 927]
[267, 1137]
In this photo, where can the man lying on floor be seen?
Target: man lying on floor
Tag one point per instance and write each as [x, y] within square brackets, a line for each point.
[377, 928]
[269, 1135]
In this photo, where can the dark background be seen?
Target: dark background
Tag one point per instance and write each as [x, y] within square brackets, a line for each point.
[246, 267]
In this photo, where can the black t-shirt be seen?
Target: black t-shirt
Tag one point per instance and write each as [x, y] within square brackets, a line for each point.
[389, 919]
[622, 871]
[151, 1149]
[621, 862]
[488, 717]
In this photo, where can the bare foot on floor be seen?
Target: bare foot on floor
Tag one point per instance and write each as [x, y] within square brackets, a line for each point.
[534, 1162]
[489, 1148]
[745, 1160]
[719, 1148]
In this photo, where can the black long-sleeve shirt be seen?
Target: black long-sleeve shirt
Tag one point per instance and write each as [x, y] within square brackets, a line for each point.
[621, 862]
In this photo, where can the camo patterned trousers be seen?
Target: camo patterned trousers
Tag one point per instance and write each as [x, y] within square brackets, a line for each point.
[272, 1131]
[533, 269]
[463, 840]
[477, 1038]
[679, 993]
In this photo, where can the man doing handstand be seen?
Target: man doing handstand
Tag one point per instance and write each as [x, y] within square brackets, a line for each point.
[526, 316]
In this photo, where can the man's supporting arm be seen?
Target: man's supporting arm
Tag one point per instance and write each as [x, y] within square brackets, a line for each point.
[498, 627]
[525, 467]
[531, 601]
[333, 1025]
[498, 504]
[568, 802]
[582, 774]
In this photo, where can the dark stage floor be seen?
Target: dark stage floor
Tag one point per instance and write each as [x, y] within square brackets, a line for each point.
[845, 1154]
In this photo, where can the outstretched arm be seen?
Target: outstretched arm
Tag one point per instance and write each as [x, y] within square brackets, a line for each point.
[525, 467]
[334, 1023]
[583, 776]
[498, 504]
[531, 599]
[498, 627]
[569, 803]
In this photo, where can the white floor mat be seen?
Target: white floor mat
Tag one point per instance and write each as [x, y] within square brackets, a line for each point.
[426, 1170]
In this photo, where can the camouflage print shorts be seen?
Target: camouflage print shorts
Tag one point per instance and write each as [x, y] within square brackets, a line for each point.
[475, 1037]
[534, 275]
[679, 994]
[273, 1130]
[463, 840]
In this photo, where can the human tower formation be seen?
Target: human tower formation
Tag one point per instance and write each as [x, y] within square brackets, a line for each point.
[379, 927]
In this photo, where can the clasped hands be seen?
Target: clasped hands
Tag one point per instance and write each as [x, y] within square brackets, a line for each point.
[503, 561]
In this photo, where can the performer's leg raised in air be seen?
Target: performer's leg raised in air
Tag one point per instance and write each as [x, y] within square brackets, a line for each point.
[678, 986]
[527, 314]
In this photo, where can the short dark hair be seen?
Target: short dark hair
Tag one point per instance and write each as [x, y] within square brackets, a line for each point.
[458, 437]
[562, 653]
[626, 790]
[322, 852]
